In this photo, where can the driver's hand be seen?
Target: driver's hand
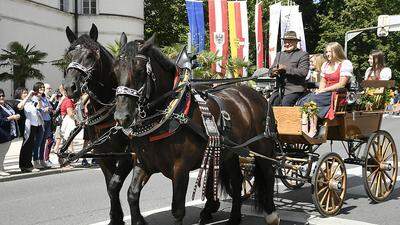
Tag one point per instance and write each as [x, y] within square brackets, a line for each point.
[275, 72]
[282, 68]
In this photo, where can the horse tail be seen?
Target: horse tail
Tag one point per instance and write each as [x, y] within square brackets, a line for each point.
[264, 186]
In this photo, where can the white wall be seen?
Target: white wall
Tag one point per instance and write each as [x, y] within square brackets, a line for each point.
[123, 7]
[44, 27]
[52, 3]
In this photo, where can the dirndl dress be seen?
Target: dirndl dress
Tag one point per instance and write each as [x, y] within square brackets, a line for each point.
[324, 100]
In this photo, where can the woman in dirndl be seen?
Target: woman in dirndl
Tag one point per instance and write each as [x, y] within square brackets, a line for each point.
[377, 69]
[335, 74]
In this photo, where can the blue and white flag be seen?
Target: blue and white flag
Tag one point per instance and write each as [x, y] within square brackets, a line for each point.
[196, 24]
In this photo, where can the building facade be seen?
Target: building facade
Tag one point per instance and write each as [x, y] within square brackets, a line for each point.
[42, 23]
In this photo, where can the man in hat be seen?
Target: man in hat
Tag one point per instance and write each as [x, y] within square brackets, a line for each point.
[290, 68]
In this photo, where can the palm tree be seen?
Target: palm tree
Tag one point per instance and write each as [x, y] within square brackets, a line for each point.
[22, 59]
[114, 48]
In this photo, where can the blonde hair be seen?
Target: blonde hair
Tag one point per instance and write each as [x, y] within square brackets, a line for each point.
[319, 59]
[337, 51]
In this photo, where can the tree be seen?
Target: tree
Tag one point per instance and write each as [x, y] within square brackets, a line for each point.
[337, 17]
[166, 18]
[114, 48]
[22, 59]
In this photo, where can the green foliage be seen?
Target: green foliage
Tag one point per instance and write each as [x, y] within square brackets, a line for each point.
[22, 59]
[62, 63]
[337, 17]
[206, 59]
[166, 18]
[324, 21]
[114, 48]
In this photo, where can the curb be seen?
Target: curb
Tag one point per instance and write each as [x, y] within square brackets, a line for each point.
[17, 175]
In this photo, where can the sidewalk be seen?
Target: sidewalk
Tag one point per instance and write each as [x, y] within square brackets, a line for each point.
[12, 157]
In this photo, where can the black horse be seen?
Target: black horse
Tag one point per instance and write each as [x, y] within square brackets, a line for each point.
[144, 74]
[91, 72]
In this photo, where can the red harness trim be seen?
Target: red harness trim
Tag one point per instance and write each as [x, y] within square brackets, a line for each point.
[185, 112]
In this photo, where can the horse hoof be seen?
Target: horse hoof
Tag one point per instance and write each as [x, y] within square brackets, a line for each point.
[205, 218]
[272, 219]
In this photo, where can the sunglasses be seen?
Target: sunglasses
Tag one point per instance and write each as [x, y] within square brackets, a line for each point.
[2, 96]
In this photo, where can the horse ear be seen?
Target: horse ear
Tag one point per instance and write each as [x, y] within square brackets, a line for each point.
[150, 42]
[94, 33]
[123, 39]
[70, 35]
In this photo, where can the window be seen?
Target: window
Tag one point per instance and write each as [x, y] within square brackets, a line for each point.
[64, 5]
[89, 6]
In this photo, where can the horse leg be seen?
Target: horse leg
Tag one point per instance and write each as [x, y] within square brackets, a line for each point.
[139, 177]
[231, 169]
[211, 205]
[114, 181]
[179, 183]
[264, 185]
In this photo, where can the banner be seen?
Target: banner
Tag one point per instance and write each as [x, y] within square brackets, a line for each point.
[291, 20]
[259, 36]
[274, 16]
[239, 33]
[218, 19]
[196, 24]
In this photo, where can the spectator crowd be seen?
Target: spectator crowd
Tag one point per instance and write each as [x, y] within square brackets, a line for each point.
[43, 119]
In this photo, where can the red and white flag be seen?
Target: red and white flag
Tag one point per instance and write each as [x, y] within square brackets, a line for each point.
[274, 15]
[259, 35]
[218, 19]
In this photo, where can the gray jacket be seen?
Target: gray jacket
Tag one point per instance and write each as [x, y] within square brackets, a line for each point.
[298, 64]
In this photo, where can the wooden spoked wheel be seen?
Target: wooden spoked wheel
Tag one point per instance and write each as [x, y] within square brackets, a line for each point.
[247, 186]
[329, 184]
[247, 166]
[288, 172]
[380, 166]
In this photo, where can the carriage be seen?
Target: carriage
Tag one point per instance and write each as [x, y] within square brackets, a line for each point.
[297, 160]
[366, 145]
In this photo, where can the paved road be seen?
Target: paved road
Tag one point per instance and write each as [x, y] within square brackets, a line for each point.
[80, 197]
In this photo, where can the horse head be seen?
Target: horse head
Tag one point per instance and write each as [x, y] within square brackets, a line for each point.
[143, 73]
[90, 68]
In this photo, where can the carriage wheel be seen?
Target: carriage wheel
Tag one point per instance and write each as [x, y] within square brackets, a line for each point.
[247, 185]
[247, 168]
[329, 184]
[289, 183]
[287, 172]
[380, 166]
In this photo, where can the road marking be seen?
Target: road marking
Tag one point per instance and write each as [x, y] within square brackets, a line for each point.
[335, 221]
[147, 213]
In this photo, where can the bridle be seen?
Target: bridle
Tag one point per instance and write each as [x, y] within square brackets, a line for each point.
[87, 74]
[143, 93]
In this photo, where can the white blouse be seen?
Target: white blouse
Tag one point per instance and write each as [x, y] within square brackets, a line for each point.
[346, 70]
[386, 73]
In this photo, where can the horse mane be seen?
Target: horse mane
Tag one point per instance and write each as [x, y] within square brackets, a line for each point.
[165, 62]
[90, 44]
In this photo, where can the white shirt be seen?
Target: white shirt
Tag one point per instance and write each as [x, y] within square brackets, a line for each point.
[346, 70]
[386, 73]
[32, 114]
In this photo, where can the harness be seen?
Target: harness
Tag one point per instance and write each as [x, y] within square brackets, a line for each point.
[99, 120]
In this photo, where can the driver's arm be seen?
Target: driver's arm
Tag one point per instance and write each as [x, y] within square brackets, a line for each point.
[302, 67]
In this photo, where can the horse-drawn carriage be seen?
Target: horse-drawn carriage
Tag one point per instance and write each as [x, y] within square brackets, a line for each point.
[363, 140]
[169, 126]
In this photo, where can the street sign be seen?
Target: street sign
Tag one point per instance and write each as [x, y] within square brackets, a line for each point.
[387, 24]
[383, 28]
